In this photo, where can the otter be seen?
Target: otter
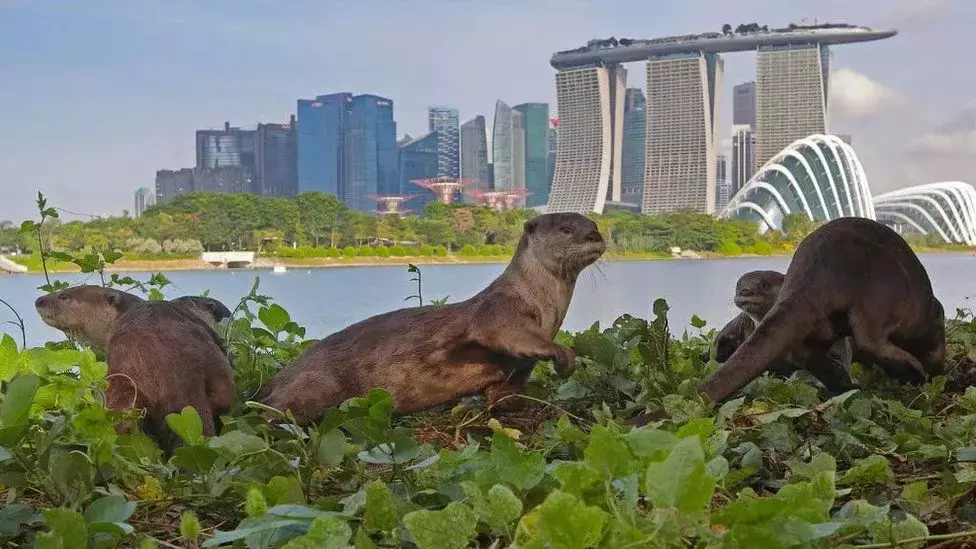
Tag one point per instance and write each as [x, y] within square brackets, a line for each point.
[756, 292]
[208, 309]
[161, 355]
[427, 356]
[851, 277]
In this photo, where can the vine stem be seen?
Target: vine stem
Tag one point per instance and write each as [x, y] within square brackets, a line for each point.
[20, 322]
[939, 537]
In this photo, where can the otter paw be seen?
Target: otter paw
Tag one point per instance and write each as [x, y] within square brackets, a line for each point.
[564, 361]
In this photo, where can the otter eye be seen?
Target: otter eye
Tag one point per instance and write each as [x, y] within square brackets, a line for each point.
[566, 230]
[63, 297]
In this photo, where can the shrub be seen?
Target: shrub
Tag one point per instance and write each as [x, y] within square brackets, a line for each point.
[468, 250]
[143, 246]
[426, 250]
[382, 251]
[350, 251]
[761, 247]
[440, 251]
[366, 251]
[332, 252]
[398, 251]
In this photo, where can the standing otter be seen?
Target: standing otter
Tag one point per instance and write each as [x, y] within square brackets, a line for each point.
[207, 308]
[755, 294]
[426, 356]
[850, 277]
[161, 355]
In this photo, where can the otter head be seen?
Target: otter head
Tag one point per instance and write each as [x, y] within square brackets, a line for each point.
[565, 243]
[208, 309]
[756, 291]
[86, 313]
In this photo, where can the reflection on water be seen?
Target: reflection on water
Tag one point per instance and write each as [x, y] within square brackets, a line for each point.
[326, 300]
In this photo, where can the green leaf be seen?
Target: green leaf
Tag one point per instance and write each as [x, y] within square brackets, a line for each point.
[575, 477]
[381, 511]
[681, 481]
[196, 459]
[17, 400]
[66, 530]
[187, 424]
[883, 531]
[274, 317]
[71, 473]
[697, 322]
[109, 509]
[13, 516]
[608, 454]
[9, 358]
[280, 490]
[237, 443]
[324, 533]
[450, 528]
[968, 453]
[565, 522]
[522, 470]
[649, 442]
[870, 470]
[498, 510]
[331, 448]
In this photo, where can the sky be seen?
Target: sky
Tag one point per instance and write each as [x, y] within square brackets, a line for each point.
[96, 95]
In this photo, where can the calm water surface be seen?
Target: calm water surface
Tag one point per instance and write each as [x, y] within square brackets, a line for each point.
[327, 300]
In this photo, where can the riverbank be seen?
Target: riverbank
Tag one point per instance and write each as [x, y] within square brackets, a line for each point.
[268, 262]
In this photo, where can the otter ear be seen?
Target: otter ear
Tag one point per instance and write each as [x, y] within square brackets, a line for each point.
[531, 225]
[113, 300]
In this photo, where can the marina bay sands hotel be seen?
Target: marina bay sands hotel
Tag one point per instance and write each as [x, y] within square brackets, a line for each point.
[684, 76]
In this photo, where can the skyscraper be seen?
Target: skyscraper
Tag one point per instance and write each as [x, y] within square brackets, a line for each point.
[744, 104]
[418, 160]
[682, 102]
[276, 160]
[371, 152]
[508, 147]
[229, 147]
[144, 198]
[743, 156]
[444, 120]
[173, 183]
[535, 118]
[632, 157]
[474, 153]
[321, 132]
[791, 96]
[553, 135]
[723, 188]
[591, 105]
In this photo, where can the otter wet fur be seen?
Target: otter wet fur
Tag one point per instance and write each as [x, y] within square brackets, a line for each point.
[161, 355]
[207, 308]
[756, 292]
[851, 277]
[427, 356]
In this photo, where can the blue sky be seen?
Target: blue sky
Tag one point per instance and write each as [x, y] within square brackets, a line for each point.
[96, 95]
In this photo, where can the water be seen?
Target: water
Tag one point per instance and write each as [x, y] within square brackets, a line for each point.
[327, 300]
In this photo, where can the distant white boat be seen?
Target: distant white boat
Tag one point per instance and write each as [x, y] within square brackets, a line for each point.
[279, 269]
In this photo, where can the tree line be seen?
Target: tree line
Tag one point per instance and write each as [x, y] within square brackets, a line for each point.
[317, 223]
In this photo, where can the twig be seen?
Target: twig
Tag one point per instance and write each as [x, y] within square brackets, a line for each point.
[20, 322]
[939, 537]
[540, 401]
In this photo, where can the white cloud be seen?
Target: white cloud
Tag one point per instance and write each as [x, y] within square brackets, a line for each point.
[955, 138]
[855, 95]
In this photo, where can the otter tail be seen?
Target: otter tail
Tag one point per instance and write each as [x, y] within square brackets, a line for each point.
[771, 341]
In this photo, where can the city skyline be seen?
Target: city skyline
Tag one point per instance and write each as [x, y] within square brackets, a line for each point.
[112, 138]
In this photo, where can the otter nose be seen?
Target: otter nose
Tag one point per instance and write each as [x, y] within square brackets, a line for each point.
[594, 236]
[41, 302]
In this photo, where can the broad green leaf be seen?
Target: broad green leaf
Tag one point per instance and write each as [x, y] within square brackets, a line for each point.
[237, 443]
[109, 509]
[187, 425]
[575, 477]
[681, 481]
[9, 358]
[565, 522]
[520, 469]
[499, 509]
[324, 533]
[820, 463]
[72, 474]
[450, 528]
[883, 531]
[196, 459]
[381, 511]
[649, 442]
[281, 490]
[66, 530]
[13, 516]
[870, 470]
[608, 454]
[966, 454]
[331, 448]
[274, 317]
[17, 400]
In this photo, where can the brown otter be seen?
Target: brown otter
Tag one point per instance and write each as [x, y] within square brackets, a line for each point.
[755, 294]
[426, 356]
[161, 355]
[850, 277]
[207, 308]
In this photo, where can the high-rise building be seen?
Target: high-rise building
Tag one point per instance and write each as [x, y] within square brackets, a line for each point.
[225, 179]
[418, 160]
[682, 98]
[508, 148]
[743, 156]
[791, 96]
[590, 102]
[744, 104]
[227, 147]
[276, 160]
[633, 156]
[371, 152]
[144, 198]
[723, 188]
[321, 129]
[173, 183]
[535, 118]
[445, 120]
[553, 135]
[474, 153]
